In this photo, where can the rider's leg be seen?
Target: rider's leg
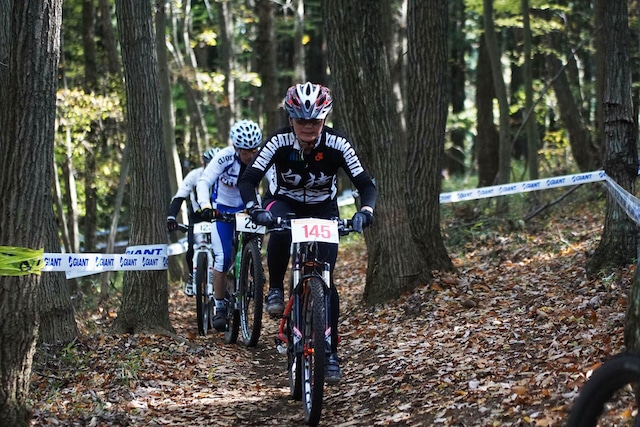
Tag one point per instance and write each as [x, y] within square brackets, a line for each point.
[277, 260]
[222, 242]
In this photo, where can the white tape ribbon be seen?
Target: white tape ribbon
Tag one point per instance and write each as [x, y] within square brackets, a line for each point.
[135, 258]
[155, 257]
[522, 187]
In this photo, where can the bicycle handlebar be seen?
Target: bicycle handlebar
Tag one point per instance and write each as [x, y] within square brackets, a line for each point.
[345, 226]
[220, 216]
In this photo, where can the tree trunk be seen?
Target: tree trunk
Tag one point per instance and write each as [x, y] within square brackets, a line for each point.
[113, 230]
[580, 139]
[530, 123]
[227, 60]
[426, 125]
[145, 299]
[299, 75]
[359, 65]
[487, 139]
[58, 322]
[493, 49]
[454, 160]
[29, 57]
[265, 47]
[617, 246]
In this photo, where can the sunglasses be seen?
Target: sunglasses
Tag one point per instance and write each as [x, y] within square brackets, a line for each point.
[304, 122]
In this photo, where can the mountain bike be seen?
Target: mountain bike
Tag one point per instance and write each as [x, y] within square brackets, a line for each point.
[245, 283]
[244, 290]
[305, 328]
[609, 397]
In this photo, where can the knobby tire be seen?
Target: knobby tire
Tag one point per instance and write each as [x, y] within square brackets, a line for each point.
[313, 362]
[599, 390]
[202, 306]
[251, 293]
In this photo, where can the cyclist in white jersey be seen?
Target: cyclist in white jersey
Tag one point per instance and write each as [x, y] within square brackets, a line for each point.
[217, 190]
[188, 189]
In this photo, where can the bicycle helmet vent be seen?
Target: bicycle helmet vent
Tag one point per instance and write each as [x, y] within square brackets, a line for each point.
[245, 134]
[308, 101]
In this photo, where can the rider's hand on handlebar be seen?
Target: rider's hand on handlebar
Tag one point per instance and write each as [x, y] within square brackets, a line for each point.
[361, 220]
[261, 216]
[172, 224]
[207, 214]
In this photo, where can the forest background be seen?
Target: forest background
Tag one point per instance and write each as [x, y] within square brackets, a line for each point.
[480, 92]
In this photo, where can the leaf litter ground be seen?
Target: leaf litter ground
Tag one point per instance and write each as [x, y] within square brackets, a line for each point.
[507, 340]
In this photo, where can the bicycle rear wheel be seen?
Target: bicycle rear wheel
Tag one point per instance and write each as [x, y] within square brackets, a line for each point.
[250, 293]
[314, 352]
[607, 398]
[202, 300]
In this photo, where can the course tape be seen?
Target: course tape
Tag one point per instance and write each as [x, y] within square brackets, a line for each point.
[522, 187]
[627, 201]
[15, 261]
[19, 261]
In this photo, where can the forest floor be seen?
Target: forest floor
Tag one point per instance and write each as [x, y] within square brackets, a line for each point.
[507, 340]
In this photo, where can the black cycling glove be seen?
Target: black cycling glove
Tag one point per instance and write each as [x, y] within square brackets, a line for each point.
[172, 224]
[207, 214]
[261, 216]
[361, 220]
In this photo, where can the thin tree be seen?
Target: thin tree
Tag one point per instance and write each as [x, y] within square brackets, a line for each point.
[29, 58]
[145, 299]
[359, 62]
[493, 49]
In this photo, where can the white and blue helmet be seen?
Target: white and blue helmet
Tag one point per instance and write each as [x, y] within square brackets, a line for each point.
[245, 134]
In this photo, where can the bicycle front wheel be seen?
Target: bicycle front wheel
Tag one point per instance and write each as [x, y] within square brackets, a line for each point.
[202, 300]
[314, 352]
[607, 398]
[250, 293]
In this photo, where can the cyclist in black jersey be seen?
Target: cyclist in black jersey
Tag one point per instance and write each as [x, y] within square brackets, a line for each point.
[301, 162]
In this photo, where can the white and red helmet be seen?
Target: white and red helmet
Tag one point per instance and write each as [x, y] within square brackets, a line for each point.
[308, 101]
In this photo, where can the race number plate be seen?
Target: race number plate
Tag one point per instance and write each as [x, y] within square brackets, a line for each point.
[314, 230]
[244, 224]
[202, 228]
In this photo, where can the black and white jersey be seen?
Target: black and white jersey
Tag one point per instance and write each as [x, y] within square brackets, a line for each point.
[311, 178]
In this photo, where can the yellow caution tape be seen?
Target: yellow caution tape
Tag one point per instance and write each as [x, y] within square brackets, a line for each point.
[16, 261]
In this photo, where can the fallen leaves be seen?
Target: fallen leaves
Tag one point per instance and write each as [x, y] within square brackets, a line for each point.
[502, 342]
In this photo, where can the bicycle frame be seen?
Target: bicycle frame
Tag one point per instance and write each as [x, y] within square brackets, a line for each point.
[305, 327]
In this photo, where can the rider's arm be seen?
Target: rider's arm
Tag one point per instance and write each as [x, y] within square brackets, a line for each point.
[250, 178]
[208, 178]
[186, 187]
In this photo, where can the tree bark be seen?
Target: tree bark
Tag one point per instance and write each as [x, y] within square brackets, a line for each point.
[493, 49]
[145, 299]
[265, 48]
[29, 57]
[617, 246]
[487, 139]
[358, 59]
[426, 125]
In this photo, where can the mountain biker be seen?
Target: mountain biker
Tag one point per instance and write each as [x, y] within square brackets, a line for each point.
[188, 189]
[306, 155]
[217, 191]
